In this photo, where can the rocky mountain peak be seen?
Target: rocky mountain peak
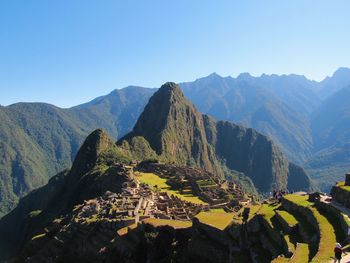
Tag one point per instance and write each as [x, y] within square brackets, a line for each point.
[95, 143]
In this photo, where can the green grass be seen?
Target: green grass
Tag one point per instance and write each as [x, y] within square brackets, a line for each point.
[253, 210]
[218, 220]
[217, 210]
[267, 211]
[301, 253]
[301, 200]
[287, 217]
[205, 183]
[327, 238]
[155, 181]
[343, 186]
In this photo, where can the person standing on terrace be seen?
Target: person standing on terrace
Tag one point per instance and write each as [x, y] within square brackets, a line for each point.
[338, 251]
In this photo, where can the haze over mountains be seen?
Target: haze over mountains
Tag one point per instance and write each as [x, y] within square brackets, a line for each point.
[307, 119]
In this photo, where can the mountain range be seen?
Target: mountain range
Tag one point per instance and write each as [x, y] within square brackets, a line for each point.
[169, 129]
[306, 119]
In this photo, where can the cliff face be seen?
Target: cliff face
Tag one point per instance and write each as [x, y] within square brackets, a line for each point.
[255, 155]
[178, 133]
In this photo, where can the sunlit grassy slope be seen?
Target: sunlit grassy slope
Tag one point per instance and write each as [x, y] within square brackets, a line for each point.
[155, 181]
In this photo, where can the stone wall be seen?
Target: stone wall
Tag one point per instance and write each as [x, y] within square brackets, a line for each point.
[341, 196]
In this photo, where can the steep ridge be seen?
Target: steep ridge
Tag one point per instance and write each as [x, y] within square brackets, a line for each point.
[179, 133]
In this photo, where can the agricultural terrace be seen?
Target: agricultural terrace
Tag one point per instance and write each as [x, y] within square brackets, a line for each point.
[205, 183]
[159, 183]
[343, 186]
[217, 220]
[327, 233]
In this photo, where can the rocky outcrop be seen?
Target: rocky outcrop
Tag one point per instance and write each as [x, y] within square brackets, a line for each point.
[341, 195]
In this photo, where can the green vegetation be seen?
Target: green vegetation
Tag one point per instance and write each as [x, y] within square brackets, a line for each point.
[205, 183]
[343, 186]
[267, 211]
[301, 253]
[217, 220]
[301, 200]
[327, 232]
[159, 183]
[113, 155]
[287, 217]
[327, 238]
[253, 210]
[217, 210]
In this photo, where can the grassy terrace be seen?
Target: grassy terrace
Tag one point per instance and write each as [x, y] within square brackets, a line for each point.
[253, 210]
[301, 253]
[300, 200]
[327, 235]
[217, 210]
[267, 211]
[343, 186]
[155, 181]
[287, 217]
[176, 224]
[123, 231]
[205, 183]
[217, 220]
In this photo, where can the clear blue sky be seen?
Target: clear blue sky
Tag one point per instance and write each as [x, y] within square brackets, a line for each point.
[67, 52]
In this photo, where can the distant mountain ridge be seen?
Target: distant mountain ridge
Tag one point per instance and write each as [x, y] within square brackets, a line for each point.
[243, 101]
